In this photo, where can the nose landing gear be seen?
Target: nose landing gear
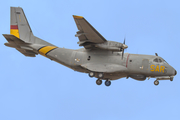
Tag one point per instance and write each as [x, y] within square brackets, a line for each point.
[156, 82]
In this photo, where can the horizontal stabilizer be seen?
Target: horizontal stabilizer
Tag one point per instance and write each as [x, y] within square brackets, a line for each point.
[13, 39]
[20, 45]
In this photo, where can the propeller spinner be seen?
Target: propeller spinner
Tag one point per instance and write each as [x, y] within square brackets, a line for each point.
[124, 46]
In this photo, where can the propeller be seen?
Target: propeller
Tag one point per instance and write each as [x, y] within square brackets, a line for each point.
[123, 47]
[156, 54]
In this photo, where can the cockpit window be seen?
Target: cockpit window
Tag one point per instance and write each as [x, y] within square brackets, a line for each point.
[160, 60]
[155, 60]
[165, 61]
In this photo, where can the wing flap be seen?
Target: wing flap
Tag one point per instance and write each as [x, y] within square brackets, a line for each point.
[106, 68]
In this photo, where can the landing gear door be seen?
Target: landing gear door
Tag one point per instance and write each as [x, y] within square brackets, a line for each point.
[145, 64]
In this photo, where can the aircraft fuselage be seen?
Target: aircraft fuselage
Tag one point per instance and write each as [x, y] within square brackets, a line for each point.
[136, 66]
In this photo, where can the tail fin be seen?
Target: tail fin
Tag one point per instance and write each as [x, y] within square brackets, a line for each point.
[21, 35]
[20, 26]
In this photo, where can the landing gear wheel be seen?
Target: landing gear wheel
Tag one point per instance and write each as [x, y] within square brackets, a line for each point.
[100, 75]
[91, 74]
[107, 83]
[98, 82]
[156, 82]
[171, 78]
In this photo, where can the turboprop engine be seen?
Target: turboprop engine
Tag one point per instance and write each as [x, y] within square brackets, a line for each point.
[111, 45]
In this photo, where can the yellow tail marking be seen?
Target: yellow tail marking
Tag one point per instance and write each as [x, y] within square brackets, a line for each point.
[43, 51]
[15, 32]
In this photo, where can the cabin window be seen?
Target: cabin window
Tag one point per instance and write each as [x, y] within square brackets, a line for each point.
[130, 60]
[89, 57]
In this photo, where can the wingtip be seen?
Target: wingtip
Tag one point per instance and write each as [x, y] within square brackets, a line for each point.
[78, 17]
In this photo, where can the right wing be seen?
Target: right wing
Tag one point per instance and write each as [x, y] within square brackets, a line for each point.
[87, 33]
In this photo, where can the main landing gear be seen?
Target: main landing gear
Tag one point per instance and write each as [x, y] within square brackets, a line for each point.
[91, 74]
[98, 81]
[100, 77]
[107, 82]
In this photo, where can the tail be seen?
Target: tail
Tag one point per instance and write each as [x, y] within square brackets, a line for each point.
[21, 34]
[19, 25]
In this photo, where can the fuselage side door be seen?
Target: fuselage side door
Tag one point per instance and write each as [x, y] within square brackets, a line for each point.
[145, 65]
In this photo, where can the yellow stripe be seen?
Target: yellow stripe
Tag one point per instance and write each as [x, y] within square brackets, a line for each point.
[77, 17]
[43, 51]
[15, 32]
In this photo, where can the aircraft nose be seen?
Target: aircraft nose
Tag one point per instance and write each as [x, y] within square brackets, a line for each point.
[175, 72]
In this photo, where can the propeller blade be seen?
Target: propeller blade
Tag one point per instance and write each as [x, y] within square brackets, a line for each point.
[124, 40]
[124, 47]
[122, 53]
[156, 54]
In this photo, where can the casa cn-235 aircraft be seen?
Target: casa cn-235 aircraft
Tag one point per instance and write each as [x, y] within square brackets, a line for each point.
[100, 58]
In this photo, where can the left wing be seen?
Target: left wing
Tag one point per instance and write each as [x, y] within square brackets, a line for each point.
[87, 34]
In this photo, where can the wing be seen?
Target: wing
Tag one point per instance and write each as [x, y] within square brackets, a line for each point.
[87, 34]
[106, 68]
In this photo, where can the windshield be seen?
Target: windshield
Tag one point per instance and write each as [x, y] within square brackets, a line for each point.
[165, 61]
[159, 60]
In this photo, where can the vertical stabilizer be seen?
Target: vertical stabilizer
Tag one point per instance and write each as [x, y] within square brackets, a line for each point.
[21, 37]
[20, 26]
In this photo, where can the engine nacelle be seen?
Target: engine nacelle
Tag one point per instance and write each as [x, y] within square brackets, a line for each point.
[111, 45]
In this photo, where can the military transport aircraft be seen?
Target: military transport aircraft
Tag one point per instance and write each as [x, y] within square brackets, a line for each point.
[100, 58]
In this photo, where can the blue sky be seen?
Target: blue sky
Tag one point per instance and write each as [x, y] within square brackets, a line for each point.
[40, 89]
